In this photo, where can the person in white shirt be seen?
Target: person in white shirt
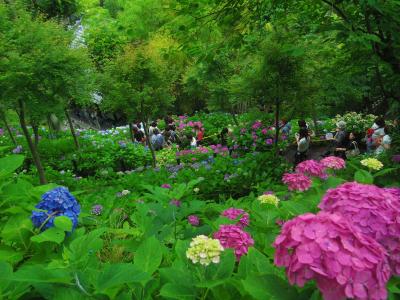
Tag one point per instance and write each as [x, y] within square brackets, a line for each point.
[303, 143]
[379, 131]
[383, 142]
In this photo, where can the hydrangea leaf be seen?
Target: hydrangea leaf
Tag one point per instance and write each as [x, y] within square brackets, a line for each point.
[363, 176]
[149, 255]
[9, 164]
[176, 291]
[116, 275]
[269, 287]
[52, 234]
[63, 223]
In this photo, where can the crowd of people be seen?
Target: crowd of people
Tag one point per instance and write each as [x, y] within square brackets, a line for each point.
[344, 143]
[160, 139]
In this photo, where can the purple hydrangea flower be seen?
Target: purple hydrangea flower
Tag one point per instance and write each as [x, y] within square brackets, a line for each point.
[97, 210]
[17, 149]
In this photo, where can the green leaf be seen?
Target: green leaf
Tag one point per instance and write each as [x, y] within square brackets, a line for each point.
[10, 255]
[176, 291]
[269, 287]
[363, 176]
[149, 255]
[6, 272]
[9, 164]
[217, 274]
[118, 274]
[63, 222]
[40, 274]
[52, 234]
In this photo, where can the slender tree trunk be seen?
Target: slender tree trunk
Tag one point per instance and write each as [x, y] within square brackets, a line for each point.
[35, 129]
[72, 129]
[50, 125]
[32, 147]
[153, 153]
[277, 108]
[8, 129]
[131, 132]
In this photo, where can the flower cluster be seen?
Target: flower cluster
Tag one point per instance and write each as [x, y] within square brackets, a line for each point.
[333, 162]
[97, 210]
[198, 150]
[296, 181]
[327, 248]
[166, 186]
[194, 220]
[269, 199]
[396, 158]
[219, 149]
[17, 150]
[233, 236]
[372, 210]
[123, 193]
[372, 163]
[234, 213]
[175, 202]
[204, 250]
[55, 203]
[311, 168]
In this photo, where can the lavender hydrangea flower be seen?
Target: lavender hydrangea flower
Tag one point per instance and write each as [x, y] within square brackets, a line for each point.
[97, 210]
[17, 150]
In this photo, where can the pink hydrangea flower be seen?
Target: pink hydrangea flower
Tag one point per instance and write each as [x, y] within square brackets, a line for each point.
[269, 141]
[233, 213]
[193, 220]
[311, 168]
[233, 236]
[333, 162]
[395, 191]
[264, 131]
[372, 210]
[256, 125]
[166, 186]
[327, 248]
[175, 202]
[296, 181]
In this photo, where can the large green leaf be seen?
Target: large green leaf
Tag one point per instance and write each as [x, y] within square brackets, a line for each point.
[269, 287]
[118, 274]
[177, 291]
[363, 176]
[63, 222]
[52, 234]
[41, 274]
[217, 274]
[9, 164]
[10, 255]
[149, 255]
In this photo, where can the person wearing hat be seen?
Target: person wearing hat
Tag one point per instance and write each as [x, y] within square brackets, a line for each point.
[340, 139]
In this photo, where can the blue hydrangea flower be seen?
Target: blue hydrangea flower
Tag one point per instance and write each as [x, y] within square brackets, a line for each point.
[55, 203]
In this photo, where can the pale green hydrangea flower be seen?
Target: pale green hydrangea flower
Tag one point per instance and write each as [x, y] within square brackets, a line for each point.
[204, 250]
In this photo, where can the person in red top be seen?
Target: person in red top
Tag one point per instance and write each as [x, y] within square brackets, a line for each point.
[199, 134]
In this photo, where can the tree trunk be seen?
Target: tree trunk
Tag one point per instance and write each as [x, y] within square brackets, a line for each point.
[9, 129]
[153, 153]
[131, 132]
[32, 147]
[35, 129]
[277, 108]
[72, 129]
